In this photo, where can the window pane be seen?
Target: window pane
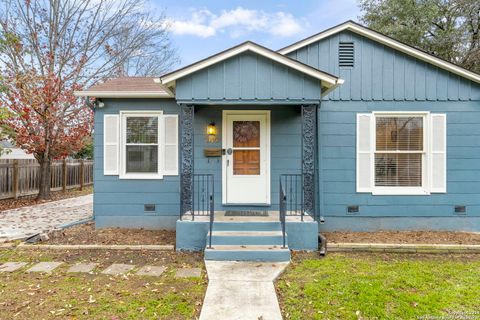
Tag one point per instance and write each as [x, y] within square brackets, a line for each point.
[399, 133]
[142, 159]
[246, 162]
[246, 133]
[398, 170]
[142, 129]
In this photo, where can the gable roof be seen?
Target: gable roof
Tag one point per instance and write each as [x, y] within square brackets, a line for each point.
[127, 87]
[385, 40]
[328, 80]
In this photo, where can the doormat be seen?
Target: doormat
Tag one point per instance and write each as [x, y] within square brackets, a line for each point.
[246, 213]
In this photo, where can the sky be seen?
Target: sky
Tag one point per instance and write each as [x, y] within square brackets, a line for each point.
[202, 28]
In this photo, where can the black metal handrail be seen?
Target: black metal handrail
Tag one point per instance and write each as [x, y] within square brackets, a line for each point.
[294, 197]
[212, 217]
[202, 194]
[283, 208]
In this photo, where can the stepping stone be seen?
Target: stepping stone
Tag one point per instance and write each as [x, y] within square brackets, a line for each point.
[44, 267]
[151, 271]
[188, 273]
[12, 266]
[82, 267]
[118, 268]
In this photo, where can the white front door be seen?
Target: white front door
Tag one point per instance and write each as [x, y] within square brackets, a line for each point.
[246, 163]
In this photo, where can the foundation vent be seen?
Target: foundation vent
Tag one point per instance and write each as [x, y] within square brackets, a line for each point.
[149, 207]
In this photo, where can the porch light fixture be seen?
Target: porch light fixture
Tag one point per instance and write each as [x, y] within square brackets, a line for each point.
[212, 132]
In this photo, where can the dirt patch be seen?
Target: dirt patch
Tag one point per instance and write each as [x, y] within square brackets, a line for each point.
[87, 234]
[434, 237]
[7, 204]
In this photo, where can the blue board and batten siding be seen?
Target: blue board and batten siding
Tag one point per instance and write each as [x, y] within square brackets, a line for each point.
[120, 202]
[387, 80]
[247, 78]
[384, 74]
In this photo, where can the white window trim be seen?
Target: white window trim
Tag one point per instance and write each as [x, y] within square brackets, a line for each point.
[123, 138]
[425, 188]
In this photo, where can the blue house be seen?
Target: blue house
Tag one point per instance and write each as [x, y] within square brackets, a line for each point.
[252, 152]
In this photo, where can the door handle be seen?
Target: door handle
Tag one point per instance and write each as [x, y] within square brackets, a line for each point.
[229, 151]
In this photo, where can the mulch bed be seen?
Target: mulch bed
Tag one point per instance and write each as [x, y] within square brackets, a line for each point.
[87, 234]
[105, 257]
[7, 204]
[434, 237]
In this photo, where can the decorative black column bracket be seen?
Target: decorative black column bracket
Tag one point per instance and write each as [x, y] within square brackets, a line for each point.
[186, 159]
[309, 156]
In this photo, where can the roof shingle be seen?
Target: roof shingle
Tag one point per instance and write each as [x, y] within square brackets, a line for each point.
[145, 84]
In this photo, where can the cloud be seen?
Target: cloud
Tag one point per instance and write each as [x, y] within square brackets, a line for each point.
[196, 25]
[236, 22]
[285, 25]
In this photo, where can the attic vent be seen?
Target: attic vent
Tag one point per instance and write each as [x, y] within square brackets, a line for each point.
[346, 54]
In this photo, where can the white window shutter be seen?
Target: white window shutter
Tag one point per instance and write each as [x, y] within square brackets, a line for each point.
[438, 154]
[111, 144]
[364, 152]
[171, 144]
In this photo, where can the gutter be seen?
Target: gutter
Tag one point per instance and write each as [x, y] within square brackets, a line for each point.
[123, 94]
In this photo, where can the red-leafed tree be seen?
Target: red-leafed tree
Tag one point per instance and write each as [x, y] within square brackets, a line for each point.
[51, 48]
[48, 120]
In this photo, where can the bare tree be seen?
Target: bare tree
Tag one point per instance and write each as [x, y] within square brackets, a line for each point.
[156, 57]
[49, 48]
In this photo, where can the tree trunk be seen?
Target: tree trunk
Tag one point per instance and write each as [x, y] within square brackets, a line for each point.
[44, 182]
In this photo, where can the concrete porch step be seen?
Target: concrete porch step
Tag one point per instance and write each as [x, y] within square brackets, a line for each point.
[247, 226]
[248, 253]
[247, 238]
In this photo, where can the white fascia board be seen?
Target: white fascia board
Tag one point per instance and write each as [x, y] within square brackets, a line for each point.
[328, 79]
[123, 94]
[388, 42]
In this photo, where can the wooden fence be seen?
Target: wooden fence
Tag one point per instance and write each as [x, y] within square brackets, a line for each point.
[20, 177]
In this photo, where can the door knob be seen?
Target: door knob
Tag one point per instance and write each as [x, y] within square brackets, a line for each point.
[229, 151]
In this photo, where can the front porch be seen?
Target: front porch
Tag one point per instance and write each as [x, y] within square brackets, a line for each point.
[255, 198]
[263, 158]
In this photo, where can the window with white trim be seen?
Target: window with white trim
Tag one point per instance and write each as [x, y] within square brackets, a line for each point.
[141, 144]
[401, 153]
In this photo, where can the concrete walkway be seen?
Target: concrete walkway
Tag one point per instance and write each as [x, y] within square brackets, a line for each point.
[242, 290]
[23, 222]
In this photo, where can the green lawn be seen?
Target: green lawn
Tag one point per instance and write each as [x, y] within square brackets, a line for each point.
[61, 295]
[380, 286]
